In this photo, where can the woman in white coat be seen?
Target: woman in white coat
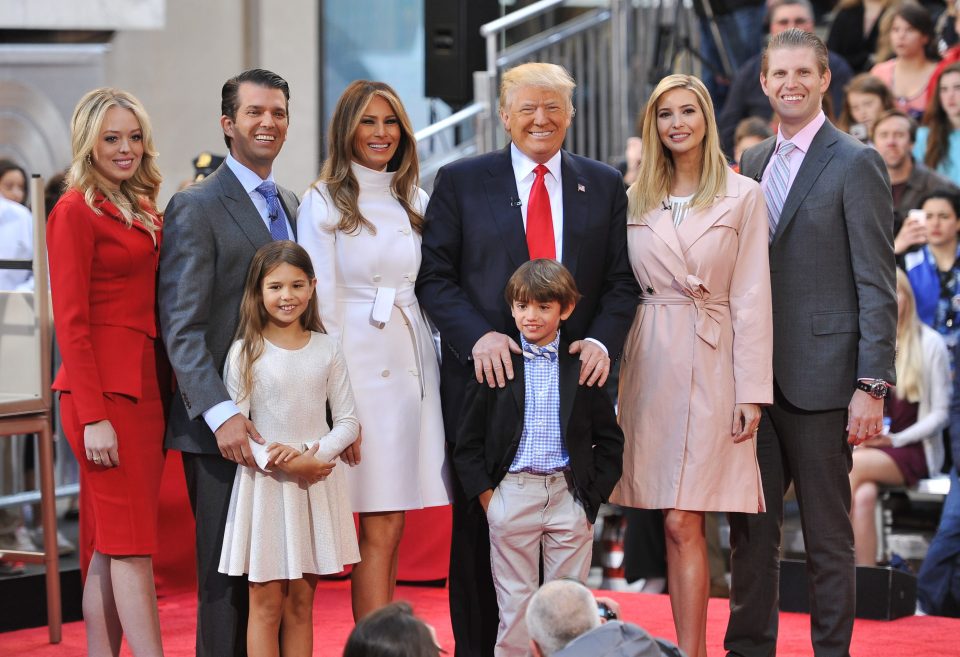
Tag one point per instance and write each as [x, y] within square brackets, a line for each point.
[361, 223]
[911, 448]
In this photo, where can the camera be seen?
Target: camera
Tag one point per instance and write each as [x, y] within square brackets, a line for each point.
[605, 612]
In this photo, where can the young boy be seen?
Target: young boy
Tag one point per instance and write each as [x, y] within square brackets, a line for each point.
[539, 455]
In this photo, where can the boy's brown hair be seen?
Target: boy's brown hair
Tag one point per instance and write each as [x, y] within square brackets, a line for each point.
[542, 280]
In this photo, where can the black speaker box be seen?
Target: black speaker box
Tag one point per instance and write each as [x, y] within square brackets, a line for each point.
[454, 48]
[882, 593]
[23, 598]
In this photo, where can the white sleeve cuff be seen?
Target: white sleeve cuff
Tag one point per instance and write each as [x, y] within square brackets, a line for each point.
[218, 414]
[599, 344]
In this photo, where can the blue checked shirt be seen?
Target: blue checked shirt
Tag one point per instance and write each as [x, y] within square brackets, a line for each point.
[541, 448]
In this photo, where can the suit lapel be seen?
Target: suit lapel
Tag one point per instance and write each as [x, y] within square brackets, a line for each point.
[113, 212]
[764, 153]
[519, 386]
[291, 215]
[660, 221]
[698, 222]
[238, 205]
[569, 381]
[813, 163]
[501, 187]
[575, 192]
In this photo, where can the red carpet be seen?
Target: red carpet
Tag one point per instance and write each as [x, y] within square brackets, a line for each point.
[907, 637]
[423, 557]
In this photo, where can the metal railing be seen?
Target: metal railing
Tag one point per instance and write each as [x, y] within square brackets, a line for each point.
[615, 52]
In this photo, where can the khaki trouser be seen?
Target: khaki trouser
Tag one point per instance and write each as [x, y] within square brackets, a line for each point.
[529, 513]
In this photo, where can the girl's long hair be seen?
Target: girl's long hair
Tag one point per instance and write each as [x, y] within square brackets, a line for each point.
[936, 119]
[336, 173]
[655, 178]
[253, 315]
[137, 197]
[909, 360]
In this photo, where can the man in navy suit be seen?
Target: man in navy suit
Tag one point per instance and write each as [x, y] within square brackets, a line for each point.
[488, 215]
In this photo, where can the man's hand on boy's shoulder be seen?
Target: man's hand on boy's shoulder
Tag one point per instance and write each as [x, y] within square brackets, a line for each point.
[491, 358]
[594, 362]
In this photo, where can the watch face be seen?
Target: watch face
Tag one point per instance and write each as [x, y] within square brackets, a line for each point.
[877, 389]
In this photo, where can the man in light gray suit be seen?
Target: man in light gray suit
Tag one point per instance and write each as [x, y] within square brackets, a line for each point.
[210, 234]
[834, 328]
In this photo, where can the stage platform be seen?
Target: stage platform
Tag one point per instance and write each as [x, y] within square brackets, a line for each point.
[907, 637]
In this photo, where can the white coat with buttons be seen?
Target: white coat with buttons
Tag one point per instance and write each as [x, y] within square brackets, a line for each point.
[392, 364]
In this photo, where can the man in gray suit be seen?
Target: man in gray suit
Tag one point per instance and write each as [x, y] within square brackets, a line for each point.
[211, 231]
[834, 327]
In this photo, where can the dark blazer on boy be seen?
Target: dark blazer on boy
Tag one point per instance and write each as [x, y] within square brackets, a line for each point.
[492, 424]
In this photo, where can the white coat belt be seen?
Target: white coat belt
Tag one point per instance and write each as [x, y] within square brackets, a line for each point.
[404, 300]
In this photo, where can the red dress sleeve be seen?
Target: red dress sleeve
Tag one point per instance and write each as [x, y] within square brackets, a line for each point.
[71, 246]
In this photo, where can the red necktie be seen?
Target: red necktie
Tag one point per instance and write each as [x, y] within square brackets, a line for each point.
[540, 241]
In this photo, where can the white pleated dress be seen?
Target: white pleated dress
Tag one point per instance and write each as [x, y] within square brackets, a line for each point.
[393, 364]
[279, 527]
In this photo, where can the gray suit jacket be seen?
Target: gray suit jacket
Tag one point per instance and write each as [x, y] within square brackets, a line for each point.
[210, 232]
[831, 272]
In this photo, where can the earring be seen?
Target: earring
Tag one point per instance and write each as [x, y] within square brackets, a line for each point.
[89, 159]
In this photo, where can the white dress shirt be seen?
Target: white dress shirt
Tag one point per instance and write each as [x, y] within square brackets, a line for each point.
[250, 182]
[523, 168]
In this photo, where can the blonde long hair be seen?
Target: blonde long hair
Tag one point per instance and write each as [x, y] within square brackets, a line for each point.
[336, 173]
[136, 192]
[655, 178]
[909, 348]
[253, 314]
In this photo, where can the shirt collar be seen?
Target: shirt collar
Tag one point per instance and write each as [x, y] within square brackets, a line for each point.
[523, 166]
[804, 137]
[555, 343]
[248, 179]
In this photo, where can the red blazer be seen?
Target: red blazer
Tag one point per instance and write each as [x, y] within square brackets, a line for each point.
[103, 280]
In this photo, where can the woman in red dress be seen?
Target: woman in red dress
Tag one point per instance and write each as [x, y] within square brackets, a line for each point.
[103, 239]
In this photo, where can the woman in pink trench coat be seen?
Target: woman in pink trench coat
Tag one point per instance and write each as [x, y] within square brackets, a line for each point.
[698, 361]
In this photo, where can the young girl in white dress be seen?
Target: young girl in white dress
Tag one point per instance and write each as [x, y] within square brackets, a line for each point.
[289, 518]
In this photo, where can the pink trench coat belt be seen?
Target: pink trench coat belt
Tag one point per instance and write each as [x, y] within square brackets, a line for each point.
[695, 293]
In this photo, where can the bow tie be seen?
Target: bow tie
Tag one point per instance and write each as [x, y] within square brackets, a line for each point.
[531, 351]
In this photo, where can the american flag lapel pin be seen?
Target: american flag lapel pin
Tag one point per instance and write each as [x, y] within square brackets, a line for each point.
[581, 188]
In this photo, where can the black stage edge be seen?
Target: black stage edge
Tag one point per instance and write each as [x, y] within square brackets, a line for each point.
[23, 599]
[882, 593]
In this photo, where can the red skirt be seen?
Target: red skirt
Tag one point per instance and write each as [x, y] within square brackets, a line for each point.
[123, 501]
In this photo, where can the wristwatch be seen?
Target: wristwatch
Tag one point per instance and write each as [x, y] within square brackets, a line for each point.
[877, 388]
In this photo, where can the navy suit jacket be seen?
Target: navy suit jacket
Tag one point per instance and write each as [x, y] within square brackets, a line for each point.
[473, 241]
